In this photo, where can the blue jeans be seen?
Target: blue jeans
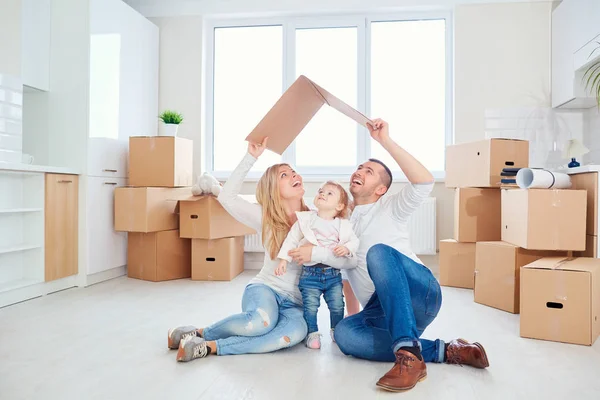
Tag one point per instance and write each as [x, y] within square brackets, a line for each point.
[407, 299]
[269, 322]
[320, 280]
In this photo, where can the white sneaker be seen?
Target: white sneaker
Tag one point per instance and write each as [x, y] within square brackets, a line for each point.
[313, 341]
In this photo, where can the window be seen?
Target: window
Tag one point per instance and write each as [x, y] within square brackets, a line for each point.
[398, 69]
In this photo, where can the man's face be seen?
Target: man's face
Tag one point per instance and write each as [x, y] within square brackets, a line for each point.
[366, 181]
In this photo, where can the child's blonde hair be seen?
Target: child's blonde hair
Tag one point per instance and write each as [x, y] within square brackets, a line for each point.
[344, 199]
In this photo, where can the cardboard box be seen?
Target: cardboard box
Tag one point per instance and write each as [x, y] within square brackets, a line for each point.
[158, 256]
[560, 300]
[205, 218]
[148, 209]
[457, 264]
[217, 260]
[591, 247]
[544, 219]
[497, 273]
[477, 215]
[589, 182]
[294, 110]
[160, 161]
[479, 164]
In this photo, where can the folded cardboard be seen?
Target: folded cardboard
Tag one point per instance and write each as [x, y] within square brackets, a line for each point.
[497, 273]
[591, 247]
[544, 219]
[589, 181]
[560, 300]
[457, 264]
[294, 110]
[160, 161]
[204, 217]
[218, 259]
[477, 215]
[158, 256]
[480, 164]
[148, 209]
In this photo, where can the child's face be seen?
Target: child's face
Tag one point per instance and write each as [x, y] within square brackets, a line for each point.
[328, 199]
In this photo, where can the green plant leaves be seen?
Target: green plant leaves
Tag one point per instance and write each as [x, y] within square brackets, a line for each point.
[171, 117]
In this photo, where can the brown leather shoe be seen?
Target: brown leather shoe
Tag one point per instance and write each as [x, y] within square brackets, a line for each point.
[405, 374]
[462, 352]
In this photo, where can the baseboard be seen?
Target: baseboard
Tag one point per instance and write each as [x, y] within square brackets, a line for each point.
[106, 275]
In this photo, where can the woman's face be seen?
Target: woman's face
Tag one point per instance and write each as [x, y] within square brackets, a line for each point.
[290, 183]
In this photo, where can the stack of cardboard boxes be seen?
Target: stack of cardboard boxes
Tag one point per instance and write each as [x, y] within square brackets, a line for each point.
[512, 245]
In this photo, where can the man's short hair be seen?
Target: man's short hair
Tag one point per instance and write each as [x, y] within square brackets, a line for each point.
[387, 179]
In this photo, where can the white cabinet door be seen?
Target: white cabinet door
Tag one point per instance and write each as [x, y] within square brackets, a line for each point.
[107, 157]
[35, 43]
[106, 249]
[562, 54]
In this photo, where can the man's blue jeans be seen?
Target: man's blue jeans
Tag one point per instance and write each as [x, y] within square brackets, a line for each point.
[407, 298]
[320, 280]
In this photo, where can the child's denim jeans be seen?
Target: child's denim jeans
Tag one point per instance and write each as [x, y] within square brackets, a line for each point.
[320, 280]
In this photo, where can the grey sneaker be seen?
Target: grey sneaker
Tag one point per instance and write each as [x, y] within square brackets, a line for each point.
[332, 336]
[192, 347]
[176, 335]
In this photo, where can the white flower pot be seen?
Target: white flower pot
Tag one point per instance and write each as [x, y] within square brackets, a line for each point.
[170, 130]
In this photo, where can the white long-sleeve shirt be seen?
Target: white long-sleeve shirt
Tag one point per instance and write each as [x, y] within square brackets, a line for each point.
[386, 222]
[250, 214]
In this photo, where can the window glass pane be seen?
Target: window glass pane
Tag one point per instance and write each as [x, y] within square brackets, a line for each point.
[408, 87]
[328, 57]
[248, 68]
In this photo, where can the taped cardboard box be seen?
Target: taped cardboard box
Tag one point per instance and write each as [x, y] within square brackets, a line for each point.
[544, 219]
[294, 110]
[218, 259]
[498, 270]
[457, 264]
[591, 247]
[560, 300]
[203, 217]
[479, 164]
[160, 161]
[148, 209]
[158, 256]
[477, 215]
[589, 182]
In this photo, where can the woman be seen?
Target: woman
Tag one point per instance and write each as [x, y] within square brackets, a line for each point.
[272, 316]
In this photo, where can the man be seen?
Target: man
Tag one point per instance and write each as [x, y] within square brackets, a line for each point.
[400, 296]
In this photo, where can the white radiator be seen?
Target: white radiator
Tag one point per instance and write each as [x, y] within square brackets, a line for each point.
[422, 230]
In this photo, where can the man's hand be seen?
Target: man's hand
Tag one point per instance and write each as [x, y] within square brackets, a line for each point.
[256, 149]
[302, 255]
[379, 130]
[341, 251]
[281, 268]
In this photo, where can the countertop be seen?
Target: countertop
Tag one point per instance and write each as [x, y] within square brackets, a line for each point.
[36, 168]
[582, 169]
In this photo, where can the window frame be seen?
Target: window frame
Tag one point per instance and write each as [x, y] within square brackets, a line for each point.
[289, 25]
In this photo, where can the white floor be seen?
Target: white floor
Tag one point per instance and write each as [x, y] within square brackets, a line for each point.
[108, 341]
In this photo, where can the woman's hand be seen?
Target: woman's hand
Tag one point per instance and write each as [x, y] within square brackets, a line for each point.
[379, 130]
[302, 255]
[256, 149]
[281, 268]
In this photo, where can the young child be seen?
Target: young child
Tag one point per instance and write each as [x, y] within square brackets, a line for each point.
[327, 227]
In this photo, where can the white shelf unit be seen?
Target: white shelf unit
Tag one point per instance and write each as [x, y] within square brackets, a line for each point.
[21, 229]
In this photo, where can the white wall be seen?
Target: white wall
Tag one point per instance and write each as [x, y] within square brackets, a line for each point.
[10, 37]
[502, 59]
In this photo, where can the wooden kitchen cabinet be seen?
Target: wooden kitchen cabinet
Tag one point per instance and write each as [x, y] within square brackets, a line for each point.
[61, 231]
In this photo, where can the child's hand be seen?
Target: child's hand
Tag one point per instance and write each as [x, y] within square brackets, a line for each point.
[281, 268]
[341, 251]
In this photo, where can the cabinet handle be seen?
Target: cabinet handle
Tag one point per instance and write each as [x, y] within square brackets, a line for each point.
[65, 181]
[110, 183]
[110, 170]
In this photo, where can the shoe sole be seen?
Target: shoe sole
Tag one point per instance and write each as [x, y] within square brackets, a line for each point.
[480, 347]
[396, 390]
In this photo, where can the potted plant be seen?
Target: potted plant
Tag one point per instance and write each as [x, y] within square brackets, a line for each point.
[592, 77]
[171, 119]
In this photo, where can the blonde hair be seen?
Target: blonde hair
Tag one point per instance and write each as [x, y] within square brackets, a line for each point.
[344, 199]
[275, 222]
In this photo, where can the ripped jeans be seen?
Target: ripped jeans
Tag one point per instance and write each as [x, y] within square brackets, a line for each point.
[269, 322]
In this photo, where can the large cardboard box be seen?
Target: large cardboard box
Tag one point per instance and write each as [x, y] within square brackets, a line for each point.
[498, 270]
[477, 215]
[479, 164]
[204, 217]
[589, 181]
[217, 260]
[158, 256]
[160, 161]
[148, 209]
[560, 300]
[591, 247]
[544, 219]
[294, 110]
[457, 264]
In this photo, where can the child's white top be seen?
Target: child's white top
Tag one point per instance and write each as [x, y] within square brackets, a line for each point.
[323, 233]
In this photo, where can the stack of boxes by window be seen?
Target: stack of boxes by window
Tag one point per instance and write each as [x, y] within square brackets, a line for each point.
[514, 246]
